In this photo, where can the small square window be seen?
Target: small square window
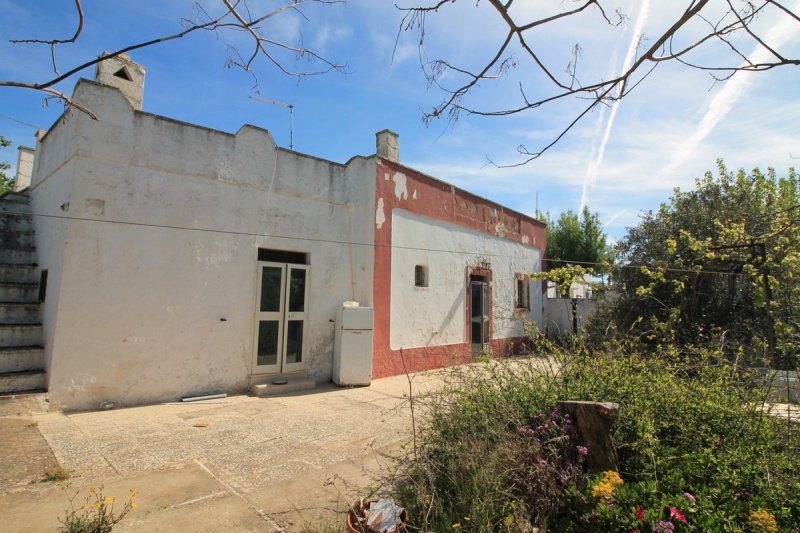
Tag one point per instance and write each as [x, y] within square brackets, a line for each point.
[420, 276]
[522, 294]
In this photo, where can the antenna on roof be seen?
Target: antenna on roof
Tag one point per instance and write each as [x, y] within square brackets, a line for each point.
[291, 116]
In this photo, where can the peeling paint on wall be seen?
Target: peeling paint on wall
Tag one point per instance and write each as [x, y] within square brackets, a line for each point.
[415, 194]
[380, 217]
[95, 206]
[500, 229]
[400, 189]
[525, 239]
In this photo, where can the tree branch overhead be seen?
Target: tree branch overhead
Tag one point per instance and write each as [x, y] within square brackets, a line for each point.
[721, 37]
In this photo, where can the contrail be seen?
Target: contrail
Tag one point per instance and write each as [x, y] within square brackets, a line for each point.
[734, 88]
[594, 166]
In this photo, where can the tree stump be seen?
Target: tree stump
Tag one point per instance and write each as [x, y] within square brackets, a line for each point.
[593, 422]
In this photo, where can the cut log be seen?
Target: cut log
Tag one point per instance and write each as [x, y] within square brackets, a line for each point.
[593, 422]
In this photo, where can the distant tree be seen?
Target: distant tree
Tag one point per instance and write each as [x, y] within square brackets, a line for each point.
[719, 263]
[237, 16]
[6, 181]
[574, 239]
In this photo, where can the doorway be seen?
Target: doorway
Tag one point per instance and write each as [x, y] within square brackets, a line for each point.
[281, 311]
[480, 311]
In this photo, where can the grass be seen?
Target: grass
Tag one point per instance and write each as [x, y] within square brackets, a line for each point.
[57, 473]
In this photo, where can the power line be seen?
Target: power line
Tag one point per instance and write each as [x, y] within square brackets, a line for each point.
[355, 243]
[20, 122]
[270, 235]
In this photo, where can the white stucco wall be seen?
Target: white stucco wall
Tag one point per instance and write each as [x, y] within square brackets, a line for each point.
[558, 315]
[165, 222]
[436, 315]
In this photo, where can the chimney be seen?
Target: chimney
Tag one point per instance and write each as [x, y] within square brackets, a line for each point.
[388, 145]
[127, 76]
[24, 168]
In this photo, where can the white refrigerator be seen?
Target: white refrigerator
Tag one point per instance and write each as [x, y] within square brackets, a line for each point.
[352, 351]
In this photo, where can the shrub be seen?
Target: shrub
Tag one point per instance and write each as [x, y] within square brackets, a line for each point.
[696, 449]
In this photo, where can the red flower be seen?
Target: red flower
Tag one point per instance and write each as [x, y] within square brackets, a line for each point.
[677, 515]
[640, 513]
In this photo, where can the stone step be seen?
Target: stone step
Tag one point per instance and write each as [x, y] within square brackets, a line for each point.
[18, 255]
[20, 335]
[11, 222]
[17, 238]
[10, 272]
[291, 385]
[19, 313]
[30, 380]
[26, 403]
[21, 358]
[9, 206]
[19, 292]
[16, 197]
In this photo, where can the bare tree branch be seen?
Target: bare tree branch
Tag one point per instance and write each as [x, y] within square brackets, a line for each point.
[237, 16]
[734, 32]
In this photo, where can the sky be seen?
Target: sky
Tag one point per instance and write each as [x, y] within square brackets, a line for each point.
[620, 160]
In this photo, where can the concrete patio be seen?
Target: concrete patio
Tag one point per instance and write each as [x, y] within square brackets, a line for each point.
[281, 463]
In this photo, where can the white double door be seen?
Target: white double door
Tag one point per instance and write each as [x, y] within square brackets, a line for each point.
[281, 311]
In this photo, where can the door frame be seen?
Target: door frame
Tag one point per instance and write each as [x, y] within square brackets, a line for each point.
[283, 316]
[486, 274]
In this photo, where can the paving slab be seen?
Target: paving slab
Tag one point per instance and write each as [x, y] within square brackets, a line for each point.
[240, 463]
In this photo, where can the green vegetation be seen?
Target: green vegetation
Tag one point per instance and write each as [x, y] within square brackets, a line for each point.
[574, 239]
[58, 473]
[694, 444]
[96, 514]
[6, 181]
[717, 264]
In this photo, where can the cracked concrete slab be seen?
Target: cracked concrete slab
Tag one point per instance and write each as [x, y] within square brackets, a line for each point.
[257, 464]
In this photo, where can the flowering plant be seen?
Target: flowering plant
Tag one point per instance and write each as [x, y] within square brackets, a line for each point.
[96, 514]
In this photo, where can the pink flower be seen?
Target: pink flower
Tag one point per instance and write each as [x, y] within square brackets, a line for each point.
[640, 513]
[677, 515]
[689, 496]
[583, 450]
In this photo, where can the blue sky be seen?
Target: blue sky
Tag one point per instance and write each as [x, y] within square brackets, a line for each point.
[621, 161]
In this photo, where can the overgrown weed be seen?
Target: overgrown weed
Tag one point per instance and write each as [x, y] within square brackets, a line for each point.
[691, 423]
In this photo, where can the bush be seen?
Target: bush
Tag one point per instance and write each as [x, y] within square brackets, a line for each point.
[696, 449]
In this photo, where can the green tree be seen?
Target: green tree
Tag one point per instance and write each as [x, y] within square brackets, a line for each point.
[6, 181]
[574, 239]
[720, 263]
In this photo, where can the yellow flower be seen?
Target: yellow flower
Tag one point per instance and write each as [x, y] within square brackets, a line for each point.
[110, 500]
[603, 490]
[606, 486]
[456, 526]
[612, 478]
[763, 521]
[97, 505]
[134, 505]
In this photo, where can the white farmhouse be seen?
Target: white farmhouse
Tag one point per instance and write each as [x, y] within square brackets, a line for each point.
[173, 260]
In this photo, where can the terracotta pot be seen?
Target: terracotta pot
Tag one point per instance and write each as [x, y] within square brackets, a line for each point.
[352, 528]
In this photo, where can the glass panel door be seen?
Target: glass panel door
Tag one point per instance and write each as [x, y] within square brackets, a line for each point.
[297, 296]
[269, 318]
[480, 310]
[280, 332]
